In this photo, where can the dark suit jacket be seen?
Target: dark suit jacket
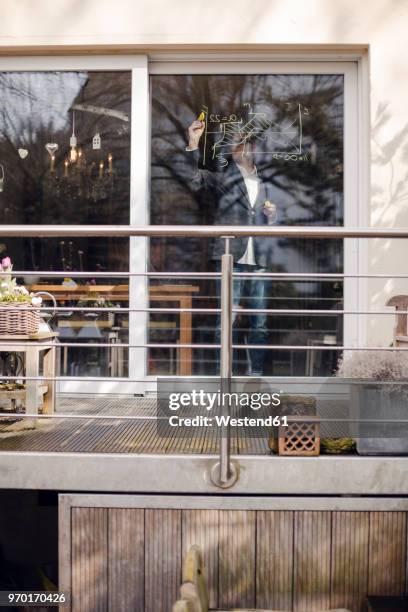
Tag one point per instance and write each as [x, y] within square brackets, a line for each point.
[233, 207]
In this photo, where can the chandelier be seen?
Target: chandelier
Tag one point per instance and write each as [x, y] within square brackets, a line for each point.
[85, 173]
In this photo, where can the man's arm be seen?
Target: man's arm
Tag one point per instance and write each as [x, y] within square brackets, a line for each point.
[195, 131]
[199, 177]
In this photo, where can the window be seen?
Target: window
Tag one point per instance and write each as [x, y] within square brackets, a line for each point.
[292, 125]
[102, 140]
[65, 159]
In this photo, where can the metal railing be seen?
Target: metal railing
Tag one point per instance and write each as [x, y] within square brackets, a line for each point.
[224, 472]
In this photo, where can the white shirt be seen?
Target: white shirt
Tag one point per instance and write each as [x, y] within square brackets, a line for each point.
[252, 184]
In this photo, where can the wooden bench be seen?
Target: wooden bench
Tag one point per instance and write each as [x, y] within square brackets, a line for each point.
[193, 591]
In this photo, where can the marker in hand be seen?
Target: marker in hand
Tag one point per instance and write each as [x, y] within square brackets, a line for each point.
[270, 211]
[195, 131]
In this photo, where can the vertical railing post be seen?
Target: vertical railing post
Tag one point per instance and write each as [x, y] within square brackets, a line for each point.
[226, 355]
[224, 473]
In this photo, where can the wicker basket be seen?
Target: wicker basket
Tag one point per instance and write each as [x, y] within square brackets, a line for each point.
[16, 318]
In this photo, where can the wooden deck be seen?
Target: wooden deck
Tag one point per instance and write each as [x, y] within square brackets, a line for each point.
[68, 435]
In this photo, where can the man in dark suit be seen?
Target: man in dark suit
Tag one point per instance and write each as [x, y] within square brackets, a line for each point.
[242, 198]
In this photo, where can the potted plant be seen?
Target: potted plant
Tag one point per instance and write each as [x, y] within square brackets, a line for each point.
[95, 300]
[19, 309]
[379, 399]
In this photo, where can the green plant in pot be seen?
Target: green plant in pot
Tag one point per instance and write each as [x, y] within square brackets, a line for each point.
[379, 399]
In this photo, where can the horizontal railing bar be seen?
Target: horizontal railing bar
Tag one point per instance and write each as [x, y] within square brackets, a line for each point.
[311, 275]
[82, 274]
[202, 231]
[154, 378]
[277, 347]
[279, 311]
[109, 417]
[69, 415]
[106, 309]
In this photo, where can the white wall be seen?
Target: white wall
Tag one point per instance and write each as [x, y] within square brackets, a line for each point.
[380, 24]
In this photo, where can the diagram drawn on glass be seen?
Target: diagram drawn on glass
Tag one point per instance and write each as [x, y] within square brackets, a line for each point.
[265, 135]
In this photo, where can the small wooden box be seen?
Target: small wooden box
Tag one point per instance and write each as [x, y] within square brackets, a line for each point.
[301, 437]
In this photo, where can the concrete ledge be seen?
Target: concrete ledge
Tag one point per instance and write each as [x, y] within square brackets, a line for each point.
[189, 474]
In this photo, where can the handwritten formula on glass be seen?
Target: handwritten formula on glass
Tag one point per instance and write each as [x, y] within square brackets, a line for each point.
[281, 140]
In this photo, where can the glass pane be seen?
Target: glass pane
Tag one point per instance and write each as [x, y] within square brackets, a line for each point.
[65, 159]
[265, 149]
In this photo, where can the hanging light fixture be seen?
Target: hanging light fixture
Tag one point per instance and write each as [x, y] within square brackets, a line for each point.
[73, 142]
[80, 177]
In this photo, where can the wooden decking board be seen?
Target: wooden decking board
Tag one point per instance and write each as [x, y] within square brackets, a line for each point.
[115, 436]
[130, 558]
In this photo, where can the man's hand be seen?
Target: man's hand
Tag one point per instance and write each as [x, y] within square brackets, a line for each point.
[195, 131]
[270, 210]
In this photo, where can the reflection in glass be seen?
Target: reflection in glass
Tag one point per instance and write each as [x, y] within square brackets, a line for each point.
[65, 152]
[292, 127]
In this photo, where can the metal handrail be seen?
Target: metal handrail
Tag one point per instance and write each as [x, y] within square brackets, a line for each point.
[277, 311]
[169, 274]
[203, 231]
[276, 347]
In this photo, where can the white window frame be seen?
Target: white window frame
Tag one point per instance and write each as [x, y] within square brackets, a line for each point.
[356, 166]
[355, 169]
[137, 64]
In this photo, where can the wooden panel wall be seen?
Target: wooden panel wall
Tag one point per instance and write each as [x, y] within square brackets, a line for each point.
[131, 559]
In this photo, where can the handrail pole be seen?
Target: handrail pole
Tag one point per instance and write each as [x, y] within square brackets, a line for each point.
[226, 355]
[224, 473]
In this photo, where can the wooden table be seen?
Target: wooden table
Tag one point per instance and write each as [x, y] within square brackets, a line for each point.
[32, 346]
[182, 295]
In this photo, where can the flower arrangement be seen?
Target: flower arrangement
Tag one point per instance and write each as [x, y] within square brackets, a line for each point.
[94, 300]
[9, 290]
[390, 366]
[15, 317]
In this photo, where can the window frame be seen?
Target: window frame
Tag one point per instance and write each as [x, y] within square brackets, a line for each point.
[354, 249]
[137, 64]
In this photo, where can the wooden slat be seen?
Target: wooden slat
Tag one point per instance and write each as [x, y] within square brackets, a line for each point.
[274, 560]
[387, 553]
[69, 435]
[89, 560]
[126, 559]
[162, 559]
[350, 536]
[201, 527]
[237, 558]
[312, 561]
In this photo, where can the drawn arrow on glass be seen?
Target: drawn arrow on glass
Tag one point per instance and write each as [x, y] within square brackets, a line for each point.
[100, 110]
